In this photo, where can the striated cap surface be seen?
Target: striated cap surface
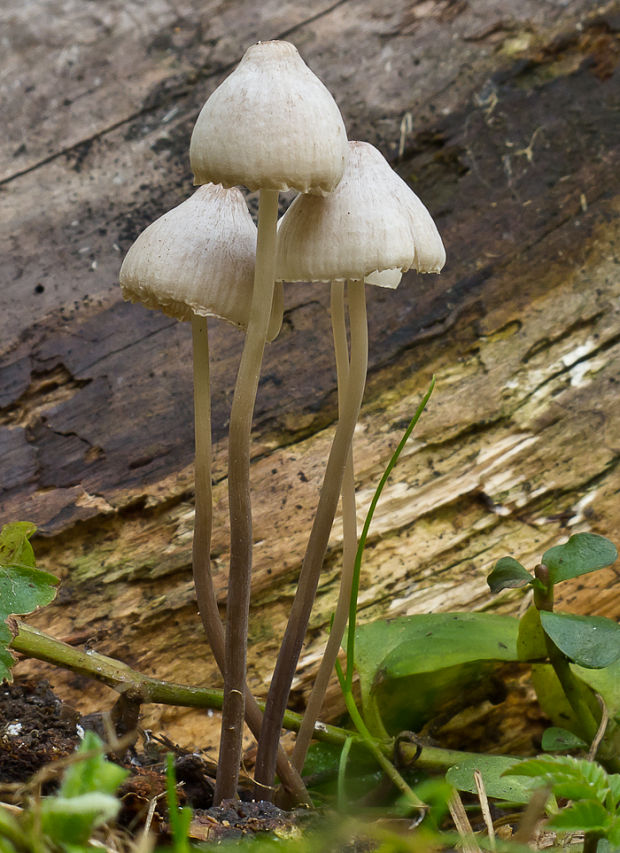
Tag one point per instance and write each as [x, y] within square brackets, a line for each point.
[271, 124]
[370, 224]
[197, 259]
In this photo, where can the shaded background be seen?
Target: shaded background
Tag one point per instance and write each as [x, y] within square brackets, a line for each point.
[504, 119]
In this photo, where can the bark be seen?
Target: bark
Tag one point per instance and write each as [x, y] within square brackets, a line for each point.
[510, 143]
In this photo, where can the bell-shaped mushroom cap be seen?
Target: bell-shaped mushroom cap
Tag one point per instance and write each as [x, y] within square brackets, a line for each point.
[371, 223]
[197, 259]
[430, 254]
[271, 124]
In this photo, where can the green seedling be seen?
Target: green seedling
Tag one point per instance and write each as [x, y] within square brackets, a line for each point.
[23, 587]
[66, 821]
[594, 796]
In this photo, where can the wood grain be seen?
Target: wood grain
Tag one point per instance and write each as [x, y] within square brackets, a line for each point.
[513, 147]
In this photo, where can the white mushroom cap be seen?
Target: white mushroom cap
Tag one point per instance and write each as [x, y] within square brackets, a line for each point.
[198, 258]
[430, 254]
[271, 124]
[371, 223]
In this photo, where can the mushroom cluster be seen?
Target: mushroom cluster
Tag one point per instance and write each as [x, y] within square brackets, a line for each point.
[273, 126]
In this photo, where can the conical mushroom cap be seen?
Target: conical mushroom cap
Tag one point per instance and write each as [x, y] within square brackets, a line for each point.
[371, 223]
[271, 124]
[197, 259]
[429, 254]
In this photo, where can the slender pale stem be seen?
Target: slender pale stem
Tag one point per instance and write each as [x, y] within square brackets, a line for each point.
[238, 601]
[349, 543]
[203, 579]
[201, 557]
[317, 544]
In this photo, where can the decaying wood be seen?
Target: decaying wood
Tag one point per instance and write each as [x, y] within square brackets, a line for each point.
[504, 119]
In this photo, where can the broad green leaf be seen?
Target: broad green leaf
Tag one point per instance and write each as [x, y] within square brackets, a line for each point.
[555, 739]
[590, 641]
[412, 666]
[585, 816]
[583, 553]
[497, 785]
[508, 574]
[15, 547]
[531, 644]
[92, 774]
[23, 587]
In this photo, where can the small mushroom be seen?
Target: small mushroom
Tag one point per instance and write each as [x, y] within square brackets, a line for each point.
[372, 228]
[197, 261]
[271, 126]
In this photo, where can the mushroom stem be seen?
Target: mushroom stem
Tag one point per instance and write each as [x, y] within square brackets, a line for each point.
[201, 556]
[317, 544]
[349, 544]
[203, 579]
[238, 601]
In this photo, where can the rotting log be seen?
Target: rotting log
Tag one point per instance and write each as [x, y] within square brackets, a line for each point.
[504, 120]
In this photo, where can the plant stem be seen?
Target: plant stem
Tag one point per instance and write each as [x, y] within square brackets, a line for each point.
[201, 558]
[201, 554]
[349, 544]
[34, 643]
[288, 656]
[239, 580]
[383, 761]
[543, 600]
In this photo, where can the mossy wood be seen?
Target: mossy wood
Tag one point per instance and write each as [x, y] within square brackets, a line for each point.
[503, 118]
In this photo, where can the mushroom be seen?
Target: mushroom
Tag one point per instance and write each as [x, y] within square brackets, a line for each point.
[196, 261]
[271, 126]
[372, 228]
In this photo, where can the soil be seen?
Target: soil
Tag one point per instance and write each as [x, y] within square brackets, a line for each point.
[37, 729]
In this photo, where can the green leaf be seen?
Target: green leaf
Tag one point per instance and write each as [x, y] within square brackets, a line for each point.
[70, 820]
[614, 787]
[23, 587]
[555, 739]
[493, 769]
[508, 574]
[85, 799]
[92, 774]
[583, 553]
[411, 666]
[572, 778]
[585, 816]
[15, 547]
[590, 641]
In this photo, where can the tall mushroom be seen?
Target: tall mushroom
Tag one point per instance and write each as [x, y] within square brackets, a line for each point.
[271, 125]
[373, 227]
[196, 261]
